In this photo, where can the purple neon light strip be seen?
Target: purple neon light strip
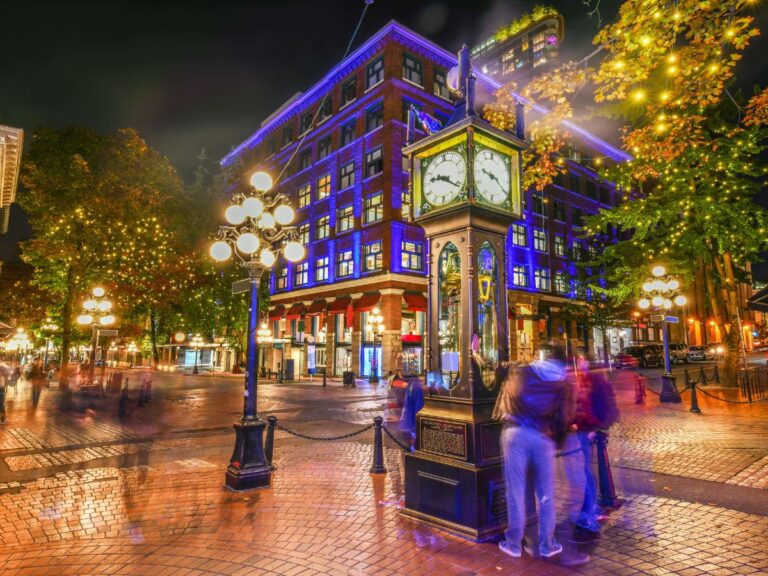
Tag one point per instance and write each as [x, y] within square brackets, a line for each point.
[611, 151]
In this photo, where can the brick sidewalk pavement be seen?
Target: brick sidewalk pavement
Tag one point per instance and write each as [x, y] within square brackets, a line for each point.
[323, 515]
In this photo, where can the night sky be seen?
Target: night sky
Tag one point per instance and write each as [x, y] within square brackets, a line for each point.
[191, 75]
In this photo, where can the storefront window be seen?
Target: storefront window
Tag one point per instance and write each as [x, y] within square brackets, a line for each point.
[486, 357]
[449, 314]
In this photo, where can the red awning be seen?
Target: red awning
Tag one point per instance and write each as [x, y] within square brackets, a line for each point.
[295, 311]
[340, 305]
[317, 307]
[367, 302]
[277, 313]
[415, 302]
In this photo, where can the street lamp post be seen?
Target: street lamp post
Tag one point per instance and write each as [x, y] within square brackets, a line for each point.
[258, 233]
[662, 293]
[48, 329]
[96, 312]
[264, 337]
[375, 324]
[132, 349]
[196, 343]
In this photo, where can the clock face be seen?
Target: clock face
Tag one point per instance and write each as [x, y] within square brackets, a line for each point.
[492, 179]
[444, 177]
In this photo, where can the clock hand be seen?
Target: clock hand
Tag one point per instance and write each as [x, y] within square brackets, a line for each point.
[492, 176]
[443, 178]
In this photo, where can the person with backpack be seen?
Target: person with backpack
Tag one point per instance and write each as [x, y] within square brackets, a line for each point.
[596, 410]
[536, 406]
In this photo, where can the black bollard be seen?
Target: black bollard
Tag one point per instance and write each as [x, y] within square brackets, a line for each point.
[716, 376]
[702, 376]
[324, 379]
[269, 446]
[378, 448]
[639, 390]
[694, 400]
[687, 376]
[605, 477]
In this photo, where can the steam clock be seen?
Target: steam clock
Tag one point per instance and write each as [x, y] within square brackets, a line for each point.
[465, 182]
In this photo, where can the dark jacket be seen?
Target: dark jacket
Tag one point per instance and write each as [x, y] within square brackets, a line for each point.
[538, 396]
[596, 404]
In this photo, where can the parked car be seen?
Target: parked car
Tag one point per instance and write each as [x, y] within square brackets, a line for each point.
[678, 352]
[645, 356]
[705, 352]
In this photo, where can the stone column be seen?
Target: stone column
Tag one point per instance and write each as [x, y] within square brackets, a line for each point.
[357, 343]
[391, 307]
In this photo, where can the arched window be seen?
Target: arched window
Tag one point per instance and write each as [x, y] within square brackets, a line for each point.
[449, 313]
[487, 309]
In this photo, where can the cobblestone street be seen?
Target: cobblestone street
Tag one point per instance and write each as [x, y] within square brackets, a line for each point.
[97, 495]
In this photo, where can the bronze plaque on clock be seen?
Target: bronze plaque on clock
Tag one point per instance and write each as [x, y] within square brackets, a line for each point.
[443, 437]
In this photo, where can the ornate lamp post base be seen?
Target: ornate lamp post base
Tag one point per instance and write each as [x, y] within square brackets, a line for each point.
[669, 391]
[248, 467]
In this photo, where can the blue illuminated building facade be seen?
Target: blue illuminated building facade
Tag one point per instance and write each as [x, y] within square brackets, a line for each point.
[349, 185]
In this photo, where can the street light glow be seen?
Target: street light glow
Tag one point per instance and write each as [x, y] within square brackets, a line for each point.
[90, 305]
[248, 243]
[221, 251]
[294, 251]
[681, 300]
[253, 207]
[235, 214]
[107, 320]
[284, 214]
[267, 257]
[261, 181]
[267, 221]
[644, 303]
[105, 306]
[98, 292]
[658, 271]
[84, 319]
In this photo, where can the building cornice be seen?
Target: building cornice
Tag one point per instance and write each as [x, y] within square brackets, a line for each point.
[343, 288]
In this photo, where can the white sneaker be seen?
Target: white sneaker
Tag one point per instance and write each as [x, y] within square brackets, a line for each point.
[556, 549]
[509, 551]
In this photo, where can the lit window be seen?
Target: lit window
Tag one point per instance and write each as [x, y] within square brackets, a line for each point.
[322, 228]
[348, 91]
[323, 186]
[374, 117]
[305, 159]
[559, 245]
[347, 133]
[441, 86]
[304, 233]
[321, 269]
[374, 72]
[412, 69]
[345, 218]
[374, 257]
[520, 275]
[327, 109]
[281, 280]
[519, 235]
[374, 208]
[538, 204]
[411, 258]
[323, 148]
[347, 175]
[561, 282]
[304, 196]
[301, 276]
[374, 163]
[345, 265]
[541, 278]
[405, 199]
[539, 240]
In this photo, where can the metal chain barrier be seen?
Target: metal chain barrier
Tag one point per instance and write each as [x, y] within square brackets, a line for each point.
[395, 440]
[570, 452]
[324, 438]
[730, 401]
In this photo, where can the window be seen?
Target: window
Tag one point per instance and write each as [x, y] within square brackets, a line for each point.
[373, 257]
[347, 133]
[374, 163]
[304, 196]
[575, 184]
[411, 255]
[374, 72]
[405, 200]
[348, 91]
[323, 147]
[605, 195]
[590, 189]
[271, 146]
[412, 69]
[541, 278]
[323, 186]
[301, 275]
[519, 235]
[304, 233]
[561, 282]
[559, 209]
[577, 217]
[374, 117]
[321, 269]
[441, 86]
[559, 245]
[345, 218]
[539, 240]
[326, 110]
[305, 159]
[520, 275]
[577, 252]
[347, 176]
[538, 204]
[559, 179]
[281, 280]
[345, 265]
[321, 228]
[407, 106]
[287, 135]
[374, 208]
[305, 123]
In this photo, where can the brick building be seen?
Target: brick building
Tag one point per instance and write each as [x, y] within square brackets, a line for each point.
[349, 185]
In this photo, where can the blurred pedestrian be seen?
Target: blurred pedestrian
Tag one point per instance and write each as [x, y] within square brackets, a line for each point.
[5, 375]
[37, 378]
[413, 402]
[145, 389]
[596, 409]
[536, 406]
[122, 403]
